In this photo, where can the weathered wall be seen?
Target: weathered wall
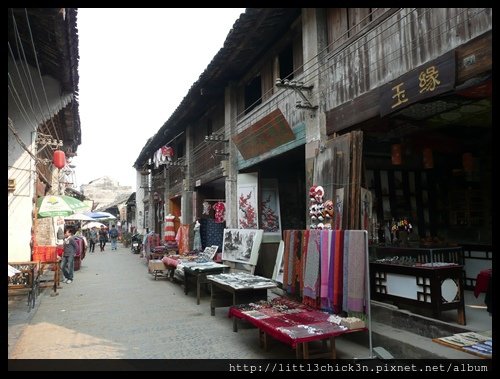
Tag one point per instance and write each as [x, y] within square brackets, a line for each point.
[26, 114]
[403, 41]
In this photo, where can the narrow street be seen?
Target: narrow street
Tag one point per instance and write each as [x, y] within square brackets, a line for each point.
[114, 309]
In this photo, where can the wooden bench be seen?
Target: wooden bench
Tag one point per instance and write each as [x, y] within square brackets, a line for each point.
[27, 280]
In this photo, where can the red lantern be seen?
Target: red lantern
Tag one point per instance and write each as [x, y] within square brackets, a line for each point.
[59, 159]
[468, 162]
[396, 157]
[428, 158]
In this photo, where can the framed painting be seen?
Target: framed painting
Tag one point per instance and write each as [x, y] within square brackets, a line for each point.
[241, 245]
[339, 208]
[270, 217]
[366, 208]
[209, 252]
[279, 266]
[248, 213]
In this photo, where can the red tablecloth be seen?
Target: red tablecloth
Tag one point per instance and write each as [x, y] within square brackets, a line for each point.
[302, 324]
[482, 282]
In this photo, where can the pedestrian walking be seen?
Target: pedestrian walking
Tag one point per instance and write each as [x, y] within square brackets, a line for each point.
[113, 235]
[103, 237]
[93, 236]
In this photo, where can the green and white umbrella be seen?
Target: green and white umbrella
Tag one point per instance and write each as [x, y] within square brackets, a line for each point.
[59, 205]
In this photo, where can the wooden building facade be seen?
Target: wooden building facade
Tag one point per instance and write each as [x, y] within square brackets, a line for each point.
[319, 96]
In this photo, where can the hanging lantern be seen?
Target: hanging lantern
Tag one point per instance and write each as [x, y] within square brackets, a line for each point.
[396, 156]
[468, 162]
[428, 159]
[59, 159]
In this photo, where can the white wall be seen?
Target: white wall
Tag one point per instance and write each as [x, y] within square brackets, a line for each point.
[26, 115]
[139, 203]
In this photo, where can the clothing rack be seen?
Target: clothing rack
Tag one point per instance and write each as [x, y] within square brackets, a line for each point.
[212, 200]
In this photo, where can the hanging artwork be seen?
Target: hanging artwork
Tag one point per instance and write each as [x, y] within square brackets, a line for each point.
[339, 208]
[220, 212]
[206, 208]
[366, 209]
[270, 218]
[241, 245]
[247, 201]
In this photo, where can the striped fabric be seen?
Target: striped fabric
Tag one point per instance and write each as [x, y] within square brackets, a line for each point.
[311, 269]
[326, 268]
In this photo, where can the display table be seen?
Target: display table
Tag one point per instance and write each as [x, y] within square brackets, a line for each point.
[199, 272]
[237, 288]
[292, 323]
[421, 254]
[438, 288]
[172, 261]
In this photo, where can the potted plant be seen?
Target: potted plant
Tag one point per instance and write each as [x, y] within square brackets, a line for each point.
[126, 239]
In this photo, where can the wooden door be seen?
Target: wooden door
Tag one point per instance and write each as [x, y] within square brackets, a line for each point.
[337, 166]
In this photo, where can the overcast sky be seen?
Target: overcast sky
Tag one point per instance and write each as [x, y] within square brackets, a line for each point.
[136, 66]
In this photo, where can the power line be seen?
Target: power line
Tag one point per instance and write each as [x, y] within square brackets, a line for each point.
[40, 75]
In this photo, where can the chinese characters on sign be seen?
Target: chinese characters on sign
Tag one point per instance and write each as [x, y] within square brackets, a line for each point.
[430, 79]
[400, 95]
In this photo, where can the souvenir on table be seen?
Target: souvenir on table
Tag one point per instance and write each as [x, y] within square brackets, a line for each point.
[209, 252]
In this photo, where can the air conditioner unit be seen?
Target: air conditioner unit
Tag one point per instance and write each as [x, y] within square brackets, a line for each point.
[12, 185]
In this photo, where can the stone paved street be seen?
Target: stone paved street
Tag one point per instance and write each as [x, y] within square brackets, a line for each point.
[115, 309]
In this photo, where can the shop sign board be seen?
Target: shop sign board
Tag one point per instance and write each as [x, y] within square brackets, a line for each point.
[266, 134]
[426, 81]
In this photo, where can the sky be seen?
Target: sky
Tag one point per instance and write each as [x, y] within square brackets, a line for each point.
[136, 65]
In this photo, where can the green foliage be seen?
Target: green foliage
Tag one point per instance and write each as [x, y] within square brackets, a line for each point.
[126, 239]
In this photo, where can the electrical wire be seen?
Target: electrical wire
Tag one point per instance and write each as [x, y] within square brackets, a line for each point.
[277, 100]
[19, 105]
[22, 85]
[22, 55]
[203, 150]
[40, 75]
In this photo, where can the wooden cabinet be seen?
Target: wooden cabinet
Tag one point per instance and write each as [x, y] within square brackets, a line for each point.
[466, 207]
[403, 193]
[420, 254]
[434, 286]
[438, 288]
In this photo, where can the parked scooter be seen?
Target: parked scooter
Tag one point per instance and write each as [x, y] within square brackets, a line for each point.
[136, 245]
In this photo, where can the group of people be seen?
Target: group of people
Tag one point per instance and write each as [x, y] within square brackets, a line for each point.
[102, 235]
[71, 247]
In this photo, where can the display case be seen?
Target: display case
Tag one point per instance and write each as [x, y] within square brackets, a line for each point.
[420, 255]
[399, 193]
[426, 278]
